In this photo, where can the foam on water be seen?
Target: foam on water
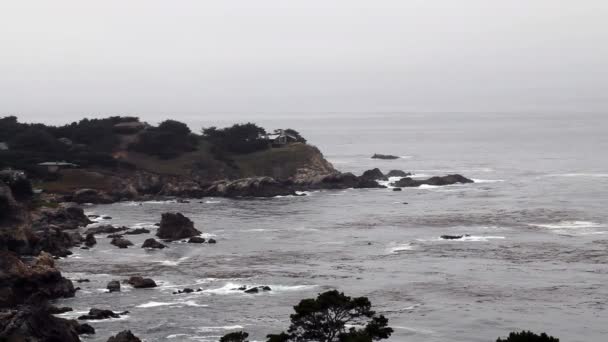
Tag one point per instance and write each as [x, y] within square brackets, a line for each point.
[569, 225]
[219, 328]
[233, 288]
[401, 248]
[487, 180]
[158, 304]
[173, 262]
[594, 175]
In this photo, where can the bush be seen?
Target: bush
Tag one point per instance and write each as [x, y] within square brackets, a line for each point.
[169, 140]
[528, 336]
[327, 317]
[238, 336]
[239, 138]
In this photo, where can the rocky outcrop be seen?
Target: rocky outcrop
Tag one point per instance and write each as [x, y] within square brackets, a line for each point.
[137, 231]
[34, 323]
[139, 282]
[100, 314]
[113, 286]
[196, 239]
[22, 283]
[152, 243]
[175, 226]
[249, 187]
[336, 181]
[384, 156]
[55, 241]
[91, 196]
[437, 181]
[90, 240]
[105, 229]
[15, 223]
[398, 173]
[374, 174]
[124, 336]
[66, 216]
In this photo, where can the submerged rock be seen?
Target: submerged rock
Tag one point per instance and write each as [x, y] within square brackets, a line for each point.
[137, 231]
[139, 282]
[398, 173]
[258, 289]
[152, 243]
[196, 239]
[121, 242]
[90, 240]
[101, 314]
[384, 156]
[453, 237]
[212, 241]
[124, 336]
[437, 181]
[175, 226]
[105, 229]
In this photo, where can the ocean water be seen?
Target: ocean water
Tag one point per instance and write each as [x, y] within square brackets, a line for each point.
[536, 257]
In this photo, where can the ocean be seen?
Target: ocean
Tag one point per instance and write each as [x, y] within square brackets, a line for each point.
[535, 258]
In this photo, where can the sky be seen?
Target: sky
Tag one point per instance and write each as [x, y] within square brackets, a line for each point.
[61, 60]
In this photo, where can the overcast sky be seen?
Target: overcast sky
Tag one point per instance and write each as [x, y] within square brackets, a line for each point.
[64, 59]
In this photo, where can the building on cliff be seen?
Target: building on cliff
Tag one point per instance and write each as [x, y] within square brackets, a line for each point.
[280, 138]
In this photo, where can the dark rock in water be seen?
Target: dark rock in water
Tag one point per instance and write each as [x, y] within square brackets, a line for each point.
[90, 240]
[258, 289]
[124, 336]
[141, 283]
[121, 243]
[374, 174]
[91, 196]
[105, 229]
[196, 239]
[22, 283]
[183, 201]
[137, 231]
[55, 241]
[152, 243]
[83, 281]
[437, 181]
[249, 187]
[53, 310]
[114, 236]
[157, 224]
[36, 324]
[113, 286]
[85, 248]
[85, 329]
[106, 217]
[453, 237]
[384, 156]
[368, 184]
[65, 217]
[212, 241]
[175, 226]
[186, 290]
[100, 314]
[398, 173]
[397, 189]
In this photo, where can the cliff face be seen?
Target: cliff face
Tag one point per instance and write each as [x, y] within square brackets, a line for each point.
[15, 233]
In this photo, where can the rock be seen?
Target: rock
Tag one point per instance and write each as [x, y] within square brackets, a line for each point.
[249, 187]
[252, 290]
[91, 196]
[114, 236]
[85, 248]
[186, 290]
[137, 231]
[100, 314]
[373, 174]
[453, 237]
[55, 241]
[196, 239]
[106, 217]
[24, 283]
[85, 329]
[83, 281]
[105, 229]
[124, 336]
[212, 241]
[65, 217]
[141, 283]
[90, 240]
[34, 323]
[258, 289]
[15, 223]
[397, 189]
[437, 181]
[113, 286]
[384, 156]
[53, 310]
[398, 173]
[121, 243]
[152, 243]
[175, 226]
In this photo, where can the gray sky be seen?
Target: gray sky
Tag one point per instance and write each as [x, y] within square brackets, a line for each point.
[63, 59]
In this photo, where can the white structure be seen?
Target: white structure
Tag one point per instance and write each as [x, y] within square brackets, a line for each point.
[280, 138]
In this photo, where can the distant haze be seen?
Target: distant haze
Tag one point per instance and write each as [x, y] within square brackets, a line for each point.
[64, 59]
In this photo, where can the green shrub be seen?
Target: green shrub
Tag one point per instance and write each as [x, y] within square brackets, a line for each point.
[528, 336]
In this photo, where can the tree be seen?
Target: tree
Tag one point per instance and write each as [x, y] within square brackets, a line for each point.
[239, 336]
[239, 138]
[528, 336]
[327, 318]
[170, 139]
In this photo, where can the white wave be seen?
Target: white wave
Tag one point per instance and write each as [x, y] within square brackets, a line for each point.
[177, 335]
[470, 238]
[218, 328]
[569, 225]
[595, 175]
[157, 304]
[213, 202]
[233, 288]
[160, 202]
[173, 262]
[401, 248]
[406, 157]
[144, 225]
[487, 180]
[428, 187]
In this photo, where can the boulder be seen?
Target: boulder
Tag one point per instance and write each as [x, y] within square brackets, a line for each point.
[100, 314]
[196, 239]
[124, 336]
[398, 173]
[212, 241]
[53, 310]
[453, 237]
[105, 229]
[67, 216]
[85, 329]
[175, 226]
[121, 243]
[152, 243]
[258, 289]
[384, 156]
[90, 240]
[91, 196]
[397, 189]
[437, 181]
[139, 282]
[113, 286]
[137, 231]
[373, 174]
